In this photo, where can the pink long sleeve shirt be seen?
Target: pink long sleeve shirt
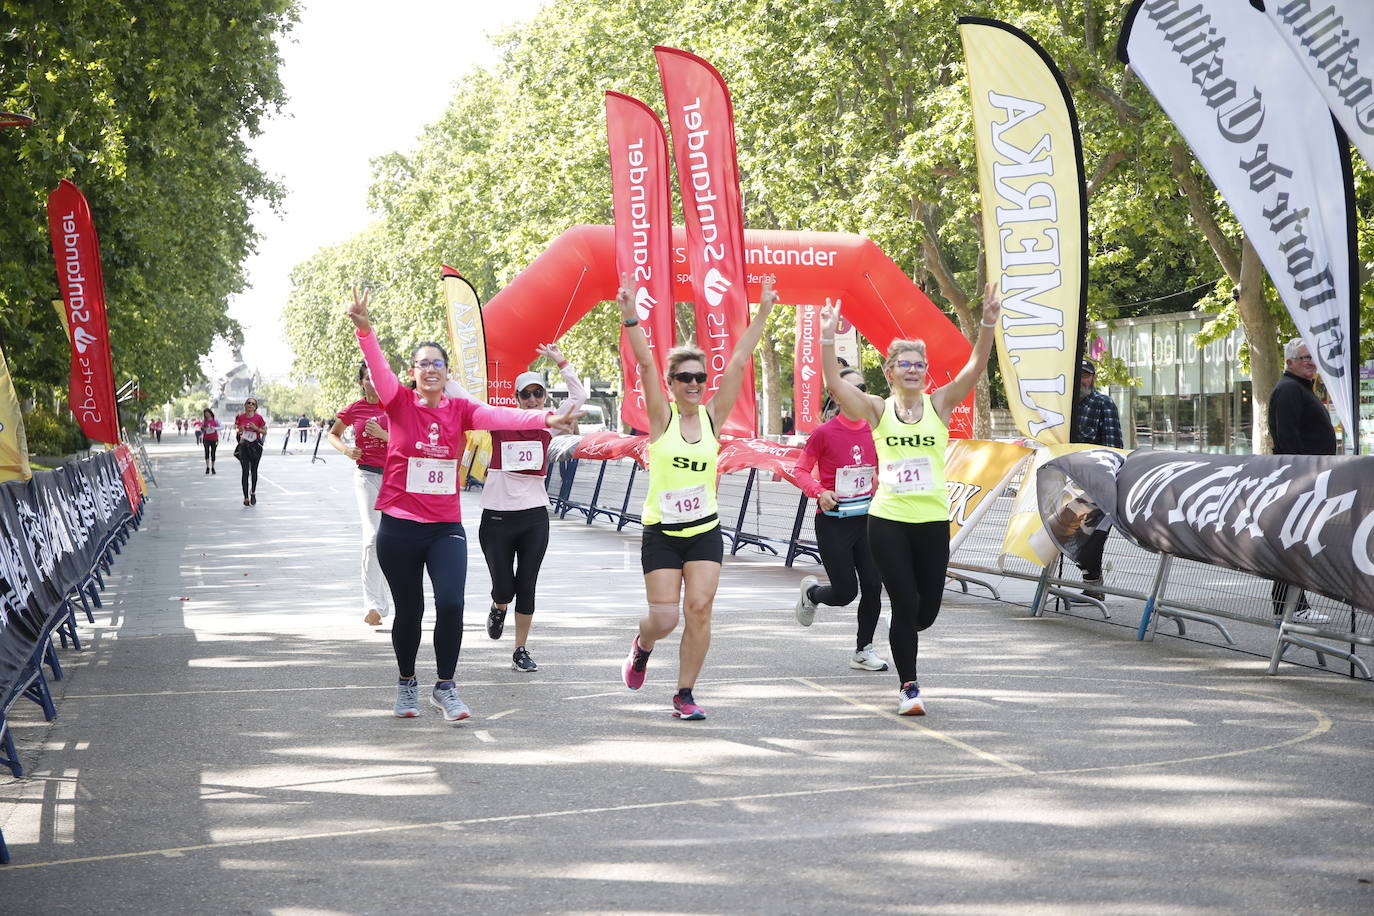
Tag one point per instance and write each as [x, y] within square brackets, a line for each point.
[420, 477]
[839, 456]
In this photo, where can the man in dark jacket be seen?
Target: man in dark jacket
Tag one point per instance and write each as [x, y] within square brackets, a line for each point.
[1298, 425]
[1298, 422]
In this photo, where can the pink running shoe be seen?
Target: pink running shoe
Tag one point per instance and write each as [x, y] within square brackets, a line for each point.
[635, 663]
[687, 708]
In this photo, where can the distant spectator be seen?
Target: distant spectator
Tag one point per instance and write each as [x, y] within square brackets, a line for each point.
[303, 424]
[1099, 423]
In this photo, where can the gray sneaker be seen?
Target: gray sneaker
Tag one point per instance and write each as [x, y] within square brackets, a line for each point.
[867, 660]
[407, 699]
[806, 608]
[446, 698]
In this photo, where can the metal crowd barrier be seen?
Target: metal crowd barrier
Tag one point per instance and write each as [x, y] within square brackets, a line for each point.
[773, 517]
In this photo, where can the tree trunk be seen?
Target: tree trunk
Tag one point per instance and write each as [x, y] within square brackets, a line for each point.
[771, 415]
[1261, 331]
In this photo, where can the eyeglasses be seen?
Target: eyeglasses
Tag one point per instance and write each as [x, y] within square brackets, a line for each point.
[687, 378]
[917, 364]
[428, 363]
[1302, 359]
[531, 393]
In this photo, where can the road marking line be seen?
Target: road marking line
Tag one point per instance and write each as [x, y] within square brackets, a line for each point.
[503, 819]
[910, 722]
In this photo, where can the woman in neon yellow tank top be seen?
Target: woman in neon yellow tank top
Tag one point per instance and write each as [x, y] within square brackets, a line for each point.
[908, 520]
[682, 550]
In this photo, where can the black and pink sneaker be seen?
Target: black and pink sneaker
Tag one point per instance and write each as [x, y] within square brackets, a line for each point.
[685, 707]
[635, 663]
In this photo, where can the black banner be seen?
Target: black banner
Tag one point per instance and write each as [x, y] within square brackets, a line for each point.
[53, 531]
[1077, 496]
[1305, 519]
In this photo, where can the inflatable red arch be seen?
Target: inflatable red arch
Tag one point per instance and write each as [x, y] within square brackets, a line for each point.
[578, 271]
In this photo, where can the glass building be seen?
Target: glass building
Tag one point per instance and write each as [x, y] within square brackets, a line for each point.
[1189, 398]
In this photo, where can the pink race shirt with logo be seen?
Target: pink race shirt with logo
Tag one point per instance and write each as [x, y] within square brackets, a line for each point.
[422, 456]
[839, 443]
[356, 415]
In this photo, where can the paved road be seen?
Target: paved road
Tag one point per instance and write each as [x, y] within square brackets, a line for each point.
[235, 752]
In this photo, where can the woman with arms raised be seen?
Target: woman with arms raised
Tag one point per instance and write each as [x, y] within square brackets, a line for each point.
[421, 526]
[682, 549]
[908, 519]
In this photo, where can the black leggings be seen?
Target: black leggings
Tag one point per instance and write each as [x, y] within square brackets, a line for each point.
[843, 542]
[249, 454]
[913, 558]
[405, 549]
[210, 446]
[506, 536]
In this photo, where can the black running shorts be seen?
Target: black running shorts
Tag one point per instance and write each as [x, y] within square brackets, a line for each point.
[662, 551]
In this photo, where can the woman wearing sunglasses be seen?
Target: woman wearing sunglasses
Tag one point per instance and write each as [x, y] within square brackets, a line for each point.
[514, 533]
[908, 519]
[251, 428]
[838, 468]
[682, 550]
[421, 527]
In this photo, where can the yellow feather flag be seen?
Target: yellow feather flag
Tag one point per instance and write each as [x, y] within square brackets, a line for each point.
[1035, 226]
[14, 445]
[467, 344]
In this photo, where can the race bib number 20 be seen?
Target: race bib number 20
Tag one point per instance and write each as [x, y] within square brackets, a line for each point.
[522, 456]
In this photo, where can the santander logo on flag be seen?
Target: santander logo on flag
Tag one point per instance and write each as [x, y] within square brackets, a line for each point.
[715, 286]
[644, 303]
[83, 339]
[807, 373]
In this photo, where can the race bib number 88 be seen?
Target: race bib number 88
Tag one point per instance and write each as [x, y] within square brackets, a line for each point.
[435, 476]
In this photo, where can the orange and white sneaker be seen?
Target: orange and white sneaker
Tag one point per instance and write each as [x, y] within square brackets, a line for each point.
[909, 700]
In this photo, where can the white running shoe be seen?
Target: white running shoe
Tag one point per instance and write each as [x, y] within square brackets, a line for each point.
[909, 701]
[1310, 616]
[806, 608]
[867, 660]
[446, 698]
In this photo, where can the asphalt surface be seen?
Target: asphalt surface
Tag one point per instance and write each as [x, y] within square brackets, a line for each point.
[225, 744]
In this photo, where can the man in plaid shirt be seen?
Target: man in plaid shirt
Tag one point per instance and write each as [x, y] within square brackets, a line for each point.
[1097, 422]
[1098, 419]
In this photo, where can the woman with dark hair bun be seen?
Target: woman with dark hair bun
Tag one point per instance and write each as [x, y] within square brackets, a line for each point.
[368, 453]
[421, 527]
[209, 438]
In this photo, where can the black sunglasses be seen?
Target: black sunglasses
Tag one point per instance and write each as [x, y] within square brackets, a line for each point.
[687, 378]
[531, 393]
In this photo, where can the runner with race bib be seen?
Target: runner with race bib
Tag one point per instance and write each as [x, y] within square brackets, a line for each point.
[421, 526]
[682, 549]
[908, 520]
[838, 468]
[514, 533]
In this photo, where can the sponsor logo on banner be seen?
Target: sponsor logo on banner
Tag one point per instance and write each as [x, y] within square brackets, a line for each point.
[1030, 177]
[76, 251]
[643, 238]
[703, 127]
[807, 375]
[1333, 41]
[1263, 132]
[1306, 519]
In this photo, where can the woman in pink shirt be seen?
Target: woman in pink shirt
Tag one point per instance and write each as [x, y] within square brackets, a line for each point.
[421, 528]
[252, 427]
[839, 469]
[208, 430]
[368, 452]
